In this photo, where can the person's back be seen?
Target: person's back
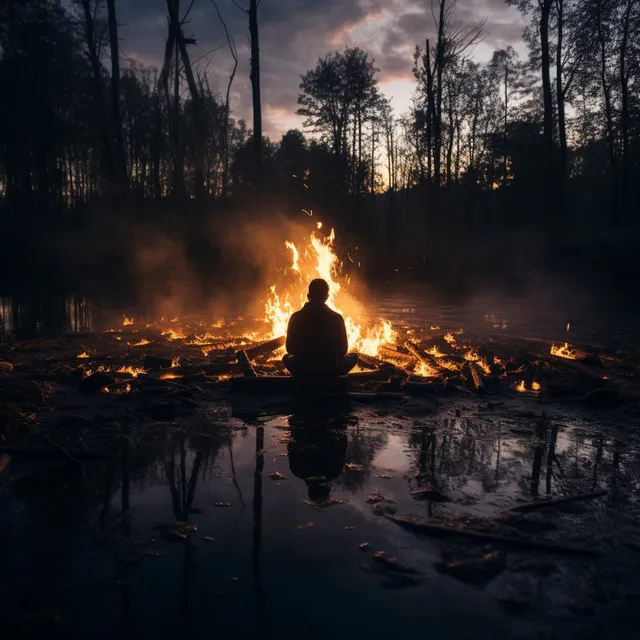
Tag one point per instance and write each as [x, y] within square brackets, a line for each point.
[317, 337]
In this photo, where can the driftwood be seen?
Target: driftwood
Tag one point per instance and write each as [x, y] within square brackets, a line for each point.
[421, 526]
[476, 376]
[245, 364]
[265, 348]
[542, 504]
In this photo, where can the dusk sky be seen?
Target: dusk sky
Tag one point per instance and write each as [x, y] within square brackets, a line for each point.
[295, 33]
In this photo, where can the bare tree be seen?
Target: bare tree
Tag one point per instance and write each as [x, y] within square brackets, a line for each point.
[252, 12]
[234, 54]
[120, 161]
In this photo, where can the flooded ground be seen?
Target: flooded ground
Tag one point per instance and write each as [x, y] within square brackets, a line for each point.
[220, 514]
[283, 518]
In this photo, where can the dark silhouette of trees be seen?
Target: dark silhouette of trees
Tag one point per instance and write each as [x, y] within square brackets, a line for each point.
[544, 147]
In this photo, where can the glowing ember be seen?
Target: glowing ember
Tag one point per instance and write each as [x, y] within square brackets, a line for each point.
[84, 354]
[141, 343]
[126, 322]
[568, 326]
[435, 352]
[424, 370]
[133, 371]
[175, 361]
[563, 351]
[450, 338]
[174, 334]
[169, 376]
[472, 356]
[522, 387]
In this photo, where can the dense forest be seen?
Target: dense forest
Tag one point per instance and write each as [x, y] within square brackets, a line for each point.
[492, 158]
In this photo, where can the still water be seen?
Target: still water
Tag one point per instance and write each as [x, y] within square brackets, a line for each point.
[282, 504]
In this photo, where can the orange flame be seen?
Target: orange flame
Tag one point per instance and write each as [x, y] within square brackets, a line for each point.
[564, 351]
[318, 260]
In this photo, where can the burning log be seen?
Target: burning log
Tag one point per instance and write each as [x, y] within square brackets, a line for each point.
[265, 348]
[401, 359]
[476, 376]
[245, 364]
[382, 375]
[423, 356]
[370, 362]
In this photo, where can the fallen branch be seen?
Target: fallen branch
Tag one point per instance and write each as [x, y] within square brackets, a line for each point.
[265, 348]
[245, 364]
[476, 376]
[542, 504]
[428, 528]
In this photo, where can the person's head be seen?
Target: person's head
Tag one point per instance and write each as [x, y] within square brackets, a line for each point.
[318, 290]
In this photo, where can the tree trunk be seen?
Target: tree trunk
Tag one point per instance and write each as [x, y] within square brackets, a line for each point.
[608, 108]
[255, 91]
[437, 128]
[430, 112]
[563, 173]
[120, 161]
[624, 108]
[548, 112]
[99, 98]
[506, 123]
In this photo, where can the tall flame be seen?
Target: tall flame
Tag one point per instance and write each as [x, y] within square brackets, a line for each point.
[318, 260]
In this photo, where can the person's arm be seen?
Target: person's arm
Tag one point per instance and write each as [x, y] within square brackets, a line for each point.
[343, 342]
[293, 336]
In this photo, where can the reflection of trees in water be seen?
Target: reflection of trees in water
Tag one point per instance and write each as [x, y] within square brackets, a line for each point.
[363, 445]
[452, 451]
[188, 458]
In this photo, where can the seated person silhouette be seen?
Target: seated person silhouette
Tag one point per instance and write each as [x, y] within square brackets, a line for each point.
[317, 338]
[317, 450]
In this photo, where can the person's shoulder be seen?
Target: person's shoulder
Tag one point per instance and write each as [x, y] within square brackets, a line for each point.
[335, 315]
[295, 315]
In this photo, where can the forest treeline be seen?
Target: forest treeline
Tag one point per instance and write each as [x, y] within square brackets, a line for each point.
[543, 146]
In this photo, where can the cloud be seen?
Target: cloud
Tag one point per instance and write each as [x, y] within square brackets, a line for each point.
[294, 34]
